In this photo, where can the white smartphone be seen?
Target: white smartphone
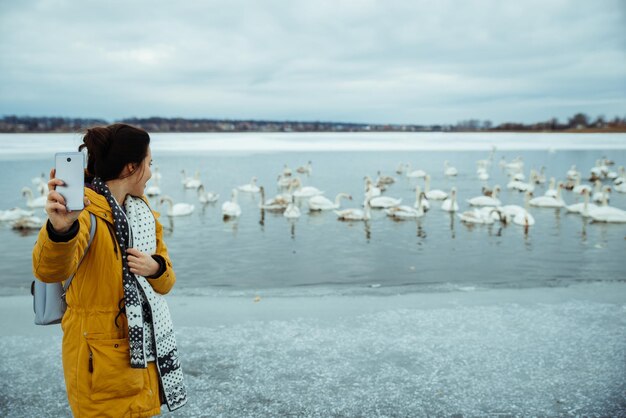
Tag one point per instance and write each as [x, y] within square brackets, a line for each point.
[70, 167]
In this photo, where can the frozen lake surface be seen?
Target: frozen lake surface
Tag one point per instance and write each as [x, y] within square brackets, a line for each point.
[532, 352]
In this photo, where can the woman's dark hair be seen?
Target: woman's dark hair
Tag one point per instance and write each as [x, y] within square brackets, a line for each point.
[110, 148]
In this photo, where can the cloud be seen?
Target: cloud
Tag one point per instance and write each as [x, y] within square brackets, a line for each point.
[375, 61]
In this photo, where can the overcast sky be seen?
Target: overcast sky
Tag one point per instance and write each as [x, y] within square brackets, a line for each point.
[386, 61]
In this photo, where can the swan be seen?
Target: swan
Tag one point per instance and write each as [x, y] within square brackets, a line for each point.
[601, 192]
[404, 212]
[155, 173]
[516, 164]
[549, 202]
[14, 214]
[407, 212]
[520, 186]
[178, 209]
[572, 173]
[27, 223]
[433, 194]
[383, 202]
[519, 177]
[355, 214]
[450, 204]
[38, 202]
[323, 203]
[540, 178]
[579, 188]
[230, 209]
[292, 210]
[401, 168]
[621, 188]
[449, 170]
[308, 169]
[384, 179]
[513, 210]
[486, 200]
[551, 192]
[251, 187]
[420, 200]
[205, 197]
[475, 216]
[524, 219]
[370, 189]
[482, 174]
[277, 204]
[606, 213]
[414, 174]
[191, 182]
[306, 191]
[622, 176]
[283, 182]
[154, 189]
[286, 171]
[582, 208]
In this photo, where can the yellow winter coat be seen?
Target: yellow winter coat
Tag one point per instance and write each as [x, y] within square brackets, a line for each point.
[96, 363]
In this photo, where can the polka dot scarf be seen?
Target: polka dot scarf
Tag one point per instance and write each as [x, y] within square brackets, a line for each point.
[150, 329]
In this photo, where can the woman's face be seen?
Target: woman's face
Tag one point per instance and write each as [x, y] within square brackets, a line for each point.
[141, 175]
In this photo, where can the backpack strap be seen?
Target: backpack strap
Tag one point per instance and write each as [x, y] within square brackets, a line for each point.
[92, 233]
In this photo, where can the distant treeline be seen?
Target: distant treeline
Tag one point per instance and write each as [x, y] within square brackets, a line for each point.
[577, 123]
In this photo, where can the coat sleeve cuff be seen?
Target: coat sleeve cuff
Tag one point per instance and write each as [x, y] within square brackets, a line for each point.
[62, 237]
[162, 267]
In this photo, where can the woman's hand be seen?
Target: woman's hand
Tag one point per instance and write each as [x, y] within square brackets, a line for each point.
[60, 218]
[141, 263]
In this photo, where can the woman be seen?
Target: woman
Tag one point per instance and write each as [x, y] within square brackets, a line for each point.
[115, 299]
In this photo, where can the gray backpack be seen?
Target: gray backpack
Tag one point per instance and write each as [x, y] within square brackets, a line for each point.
[49, 298]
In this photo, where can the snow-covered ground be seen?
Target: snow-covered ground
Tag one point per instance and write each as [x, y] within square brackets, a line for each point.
[530, 352]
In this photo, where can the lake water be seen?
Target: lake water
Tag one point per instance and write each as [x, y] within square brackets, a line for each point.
[316, 254]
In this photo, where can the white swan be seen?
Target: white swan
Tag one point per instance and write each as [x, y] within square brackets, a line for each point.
[382, 179]
[601, 194]
[230, 209]
[38, 202]
[155, 173]
[551, 192]
[286, 171]
[450, 204]
[449, 170]
[549, 202]
[513, 210]
[606, 213]
[433, 194]
[354, 214]
[26, 223]
[14, 214]
[307, 169]
[524, 219]
[582, 208]
[283, 182]
[323, 203]
[249, 188]
[207, 197]
[486, 200]
[154, 189]
[404, 212]
[572, 173]
[414, 174]
[292, 210]
[370, 189]
[476, 216]
[178, 209]
[277, 204]
[421, 200]
[383, 202]
[191, 182]
[579, 188]
[482, 174]
[520, 186]
[306, 191]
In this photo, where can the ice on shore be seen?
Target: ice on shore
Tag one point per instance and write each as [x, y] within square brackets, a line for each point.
[562, 359]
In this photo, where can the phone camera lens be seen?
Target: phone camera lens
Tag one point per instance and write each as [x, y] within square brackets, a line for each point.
[69, 159]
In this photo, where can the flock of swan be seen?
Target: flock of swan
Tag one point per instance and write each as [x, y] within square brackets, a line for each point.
[485, 208]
